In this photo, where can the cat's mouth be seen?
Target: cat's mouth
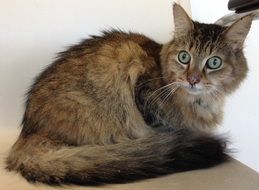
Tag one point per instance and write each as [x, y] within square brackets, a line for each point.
[194, 89]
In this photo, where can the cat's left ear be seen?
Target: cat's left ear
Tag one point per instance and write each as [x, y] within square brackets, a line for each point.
[182, 22]
[237, 32]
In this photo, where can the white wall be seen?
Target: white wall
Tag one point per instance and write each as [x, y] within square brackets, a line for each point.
[242, 108]
[32, 31]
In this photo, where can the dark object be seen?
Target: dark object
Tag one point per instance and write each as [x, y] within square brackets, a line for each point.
[241, 6]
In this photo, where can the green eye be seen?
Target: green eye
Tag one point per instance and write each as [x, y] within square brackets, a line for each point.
[214, 62]
[184, 57]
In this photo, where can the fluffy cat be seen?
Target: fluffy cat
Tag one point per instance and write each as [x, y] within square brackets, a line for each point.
[121, 107]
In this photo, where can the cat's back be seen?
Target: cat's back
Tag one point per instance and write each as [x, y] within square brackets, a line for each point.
[96, 67]
[115, 39]
[108, 55]
[99, 73]
[113, 48]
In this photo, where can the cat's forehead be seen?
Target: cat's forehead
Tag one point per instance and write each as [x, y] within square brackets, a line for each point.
[206, 38]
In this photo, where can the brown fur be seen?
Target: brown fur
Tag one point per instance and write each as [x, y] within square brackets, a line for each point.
[92, 116]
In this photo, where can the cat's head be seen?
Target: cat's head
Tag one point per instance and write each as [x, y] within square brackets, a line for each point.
[205, 59]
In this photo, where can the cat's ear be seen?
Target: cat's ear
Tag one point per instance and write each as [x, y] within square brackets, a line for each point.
[237, 32]
[182, 22]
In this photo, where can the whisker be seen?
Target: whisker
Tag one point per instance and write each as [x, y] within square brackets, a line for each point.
[152, 100]
[161, 88]
[162, 92]
[162, 103]
[169, 95]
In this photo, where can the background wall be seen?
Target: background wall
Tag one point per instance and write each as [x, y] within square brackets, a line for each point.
[32, 31]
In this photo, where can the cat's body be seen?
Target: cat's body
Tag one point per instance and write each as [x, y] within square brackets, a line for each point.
[102, 113]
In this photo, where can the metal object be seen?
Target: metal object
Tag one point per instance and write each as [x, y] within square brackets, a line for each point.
[228, 19]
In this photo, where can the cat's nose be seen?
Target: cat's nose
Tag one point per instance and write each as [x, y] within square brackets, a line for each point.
[194, 78]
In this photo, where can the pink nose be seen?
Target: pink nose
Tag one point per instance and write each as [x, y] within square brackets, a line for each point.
[194, 78]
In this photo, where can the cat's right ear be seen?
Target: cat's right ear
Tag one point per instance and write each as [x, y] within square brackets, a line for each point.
[182, 22]
[237, 32]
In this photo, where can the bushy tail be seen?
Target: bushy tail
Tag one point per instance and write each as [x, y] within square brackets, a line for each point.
[162, 153]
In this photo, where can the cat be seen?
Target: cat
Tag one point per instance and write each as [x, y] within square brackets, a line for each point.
[122, 107]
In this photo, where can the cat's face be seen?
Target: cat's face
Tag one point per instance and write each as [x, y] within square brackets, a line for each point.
[205, 59]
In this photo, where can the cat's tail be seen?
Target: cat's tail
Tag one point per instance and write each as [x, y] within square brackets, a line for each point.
[155, 155]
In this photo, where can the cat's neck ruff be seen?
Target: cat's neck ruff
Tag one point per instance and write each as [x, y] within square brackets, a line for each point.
[199, 111]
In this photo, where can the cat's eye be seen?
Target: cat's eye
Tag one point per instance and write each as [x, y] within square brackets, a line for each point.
[184, 57]
[214, 62]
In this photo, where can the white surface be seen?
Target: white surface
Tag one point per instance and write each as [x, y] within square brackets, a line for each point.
[242, 108]
[32, 31]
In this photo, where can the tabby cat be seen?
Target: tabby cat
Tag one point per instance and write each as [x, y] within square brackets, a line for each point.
[122, 107]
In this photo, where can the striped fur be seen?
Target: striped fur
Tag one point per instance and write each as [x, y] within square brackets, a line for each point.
[96, 115]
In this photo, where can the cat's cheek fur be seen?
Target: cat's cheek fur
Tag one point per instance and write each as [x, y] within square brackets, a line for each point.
[172, 70]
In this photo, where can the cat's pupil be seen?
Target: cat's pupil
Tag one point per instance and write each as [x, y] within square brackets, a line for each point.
[184, 56]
